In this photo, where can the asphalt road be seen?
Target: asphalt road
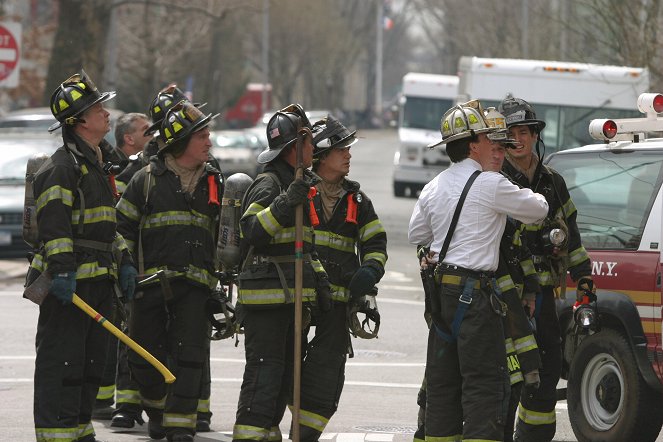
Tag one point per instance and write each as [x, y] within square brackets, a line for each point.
[382, 380]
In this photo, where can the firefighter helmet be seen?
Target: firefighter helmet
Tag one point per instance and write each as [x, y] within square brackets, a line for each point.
[165, 99]
[462, 121]
[221, 316]
[74, 96]
[181, 120]
[519, 112]
[330, 133]
[497, 121]
[368, 306]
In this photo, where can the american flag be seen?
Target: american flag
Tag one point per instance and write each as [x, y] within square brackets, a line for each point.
[274, 133]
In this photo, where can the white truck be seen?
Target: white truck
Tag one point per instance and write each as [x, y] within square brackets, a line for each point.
[565, 95]
[424, 99]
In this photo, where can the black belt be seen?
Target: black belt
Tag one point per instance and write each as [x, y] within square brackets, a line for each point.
[462, 271]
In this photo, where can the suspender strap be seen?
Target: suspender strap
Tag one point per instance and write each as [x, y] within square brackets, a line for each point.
[454, 220]
[94, 245]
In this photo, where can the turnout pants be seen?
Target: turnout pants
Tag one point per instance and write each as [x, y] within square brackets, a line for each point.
[71, 351]
[267, 384]
[467, 379]
[323, 372]
[176, 334]
[536, 413]
[127, 395]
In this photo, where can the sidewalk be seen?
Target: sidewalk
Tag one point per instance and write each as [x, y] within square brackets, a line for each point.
[13, 269]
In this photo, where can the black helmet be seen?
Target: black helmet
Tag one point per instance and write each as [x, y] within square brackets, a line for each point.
[282, 131]
[182, 120]
[330, 133]
[74, 96]
[519, 112]
[165, 99]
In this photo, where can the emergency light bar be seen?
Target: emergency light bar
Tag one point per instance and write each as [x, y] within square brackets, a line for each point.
[631, 129]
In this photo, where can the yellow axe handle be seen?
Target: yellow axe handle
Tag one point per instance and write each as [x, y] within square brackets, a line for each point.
[167, 375]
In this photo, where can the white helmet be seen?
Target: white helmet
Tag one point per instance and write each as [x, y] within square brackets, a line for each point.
[497, 121]
[462, 121]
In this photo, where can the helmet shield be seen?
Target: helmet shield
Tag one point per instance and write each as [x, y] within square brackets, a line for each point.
[181, 120]
[73, 97]
[331, 133]
[519, 112]
[462, 121]
[497, 121]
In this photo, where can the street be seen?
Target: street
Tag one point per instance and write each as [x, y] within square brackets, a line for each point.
[382, 380]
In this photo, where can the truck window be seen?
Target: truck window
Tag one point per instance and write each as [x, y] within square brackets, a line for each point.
[424, 113]
[613, 194]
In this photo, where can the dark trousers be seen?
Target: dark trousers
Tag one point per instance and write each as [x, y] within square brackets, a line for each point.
[175, 334]
[541, 426]
[127, 393]
[323, 371]
[267, 384]
[467, 379]
[71, 351]
[106, 394]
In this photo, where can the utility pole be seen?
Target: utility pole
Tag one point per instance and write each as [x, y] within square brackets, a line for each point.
[265, 55]
[525, 21]
[378, 61]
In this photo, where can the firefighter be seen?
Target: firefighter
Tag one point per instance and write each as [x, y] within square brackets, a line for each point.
[551, 253]
[467, 396]
[81, 251]
[352, 246]
[267, 275]
[170, 215]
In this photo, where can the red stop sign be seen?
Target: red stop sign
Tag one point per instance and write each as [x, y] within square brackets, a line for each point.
[8, 53]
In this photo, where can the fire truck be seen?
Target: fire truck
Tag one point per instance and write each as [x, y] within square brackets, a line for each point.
[612, 346]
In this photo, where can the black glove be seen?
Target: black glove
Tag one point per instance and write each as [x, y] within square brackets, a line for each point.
[586, 287]
[323, 293]
[362, 281]
[297, 192]
[63, 287]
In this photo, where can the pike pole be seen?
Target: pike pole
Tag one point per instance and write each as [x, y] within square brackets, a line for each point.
[299, 274]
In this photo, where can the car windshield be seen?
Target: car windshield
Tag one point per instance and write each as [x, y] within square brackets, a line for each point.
[613, 192]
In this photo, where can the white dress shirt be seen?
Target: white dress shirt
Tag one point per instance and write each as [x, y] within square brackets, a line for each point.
[475, 243]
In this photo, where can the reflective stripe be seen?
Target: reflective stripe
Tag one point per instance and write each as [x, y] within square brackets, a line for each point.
[528, 267]
[545, 278]
[268, 221]
[505, 283]
[106, 392]
[178, 218]
[454, 438]
[92, 270]
[525, 344]
[59, 245]
[317, 266]
[85, 430]
[324, 238]
[192, 273]
[38, 263]
[312, 420]
[179, 420]
[121, 186]
[535, 417]
[126, 208]
[577, 256]
[55, 193]
[287, 235]
[370, 230]
[203, 406]
[274, 434]
[127, 397]
[271, 296]
[94, 215]
[249, 432]
[569, 209]
[339, 293]
[376, 256]
[56, 434]
[158, 404]
[119, 243]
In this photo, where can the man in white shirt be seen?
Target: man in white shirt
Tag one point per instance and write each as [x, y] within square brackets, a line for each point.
[467, 377]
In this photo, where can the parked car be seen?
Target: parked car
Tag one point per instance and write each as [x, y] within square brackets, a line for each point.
[16, 151]
[612, 347]
[37, 120]
[236, 151]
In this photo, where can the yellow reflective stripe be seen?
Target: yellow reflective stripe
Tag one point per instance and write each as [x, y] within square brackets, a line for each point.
[339, 293]
[274, 434]
[324, 238]
[515, 377]
[517, 240]
[482, 440]
[106, 392]
[126, 208]
[253, 209]
[376, 256]
[505, 283]
[158, 404]
[127, 397]
[525, 344]
[119, 243]
[193, 273]
[287, 235]
[312, 420]
[54, 193]
[94, 215]
[121, 186]
[317, 266]
[370, 230]
[131, 244]
[92, 270]
[250, 432]
[535, 417]
[271, 296]
[569, 209]
[508, 344]
[203, 406]
[179, 420]
[268, 221]
[85, 430]
[38, 262]
[84, 170]
[454, 438]
[577, 256]
[528, 267]
[59, 245]
[533, 227]
[545, 278]
[56, 434]
[178, 218]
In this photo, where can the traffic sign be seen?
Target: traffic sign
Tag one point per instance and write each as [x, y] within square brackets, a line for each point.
[10, 53]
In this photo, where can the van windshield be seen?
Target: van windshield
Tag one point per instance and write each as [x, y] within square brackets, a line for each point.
[613, 193]
[424, 113]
